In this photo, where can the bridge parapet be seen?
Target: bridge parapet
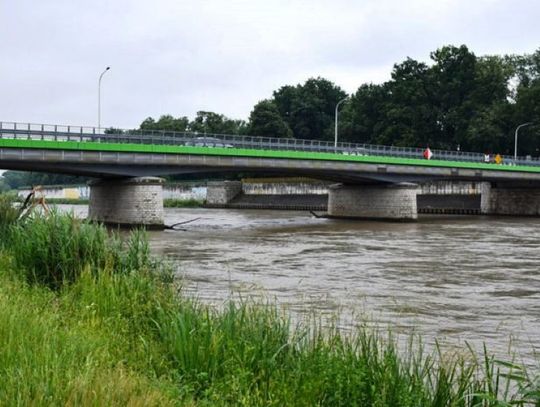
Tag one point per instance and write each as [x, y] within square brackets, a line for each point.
[82, 134]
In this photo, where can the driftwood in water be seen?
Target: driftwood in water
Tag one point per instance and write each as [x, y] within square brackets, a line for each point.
[318, 216]
[173, 227]
[34, 198]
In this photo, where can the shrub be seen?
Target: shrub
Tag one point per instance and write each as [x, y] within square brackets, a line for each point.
[8, 215]
[55, 249]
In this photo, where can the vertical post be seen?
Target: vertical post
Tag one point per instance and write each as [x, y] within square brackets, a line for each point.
[516, 139]
[99, 97]
[336, 121]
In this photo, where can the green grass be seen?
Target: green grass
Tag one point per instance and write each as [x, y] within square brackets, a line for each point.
[68, 201]
[182, 203]
[9, 213]
[167, 203]
[112, 329]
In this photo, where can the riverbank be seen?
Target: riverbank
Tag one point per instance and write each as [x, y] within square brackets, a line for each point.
[80, 307]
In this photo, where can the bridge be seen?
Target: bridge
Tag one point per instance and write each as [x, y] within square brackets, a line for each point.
[375, 181]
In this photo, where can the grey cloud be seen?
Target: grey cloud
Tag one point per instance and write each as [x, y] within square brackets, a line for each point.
[179, 57]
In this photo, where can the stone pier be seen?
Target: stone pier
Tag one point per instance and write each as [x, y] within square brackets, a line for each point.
[220, 193]
[388, 202]
[512, 200]
[127, 202]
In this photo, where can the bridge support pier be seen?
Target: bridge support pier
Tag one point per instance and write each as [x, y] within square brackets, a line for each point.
[127, 202]
[220, 193]
[517, 200]
[385, 202]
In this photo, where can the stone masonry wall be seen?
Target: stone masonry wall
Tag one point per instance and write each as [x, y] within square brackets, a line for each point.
[511, 201]
[396, 202]
[130, 202]
[451, 188]
[223, 192]
[285, 188]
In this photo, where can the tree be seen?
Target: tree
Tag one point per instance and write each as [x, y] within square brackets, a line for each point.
[265, 121]
[363, 117]
[210, 122]
[459, 101]
[167, 123]
[17, 179]
[308, 109]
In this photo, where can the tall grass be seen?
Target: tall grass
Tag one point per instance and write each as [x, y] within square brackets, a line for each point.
[115, 332]
[56, 249]
[9, 214]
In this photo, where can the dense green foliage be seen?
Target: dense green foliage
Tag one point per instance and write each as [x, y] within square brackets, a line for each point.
[9, 214]
[17, 179]
[458, 101]
[118, 334]
[265, 121]
[309, 109]
[182, 203]
[204, 122]
[57, 249]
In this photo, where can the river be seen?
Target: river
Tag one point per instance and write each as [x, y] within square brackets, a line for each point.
[456, 279]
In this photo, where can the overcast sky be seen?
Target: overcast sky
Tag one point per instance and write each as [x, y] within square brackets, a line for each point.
[178, 57]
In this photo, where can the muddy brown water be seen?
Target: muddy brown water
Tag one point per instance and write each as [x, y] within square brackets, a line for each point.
[456, 279]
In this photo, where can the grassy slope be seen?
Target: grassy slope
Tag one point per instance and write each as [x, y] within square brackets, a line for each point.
[118, 333]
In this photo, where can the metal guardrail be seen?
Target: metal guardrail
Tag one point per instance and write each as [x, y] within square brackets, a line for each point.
[29, 131]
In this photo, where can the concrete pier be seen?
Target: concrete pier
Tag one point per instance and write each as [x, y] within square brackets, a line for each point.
[516, 200]
[388, 202]
[220, 193]
[127, 202]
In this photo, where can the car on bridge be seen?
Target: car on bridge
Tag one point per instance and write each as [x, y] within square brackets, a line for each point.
[208, 142]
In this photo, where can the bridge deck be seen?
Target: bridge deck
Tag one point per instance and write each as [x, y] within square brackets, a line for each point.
[88, 151]
[343, 156]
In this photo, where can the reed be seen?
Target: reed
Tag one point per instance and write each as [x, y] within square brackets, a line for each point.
[9, 213]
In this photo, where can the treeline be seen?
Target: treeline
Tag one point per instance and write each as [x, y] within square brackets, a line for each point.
[17, 179]
[458, 101]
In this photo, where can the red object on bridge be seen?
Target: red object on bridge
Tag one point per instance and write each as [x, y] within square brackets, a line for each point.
[428, 154]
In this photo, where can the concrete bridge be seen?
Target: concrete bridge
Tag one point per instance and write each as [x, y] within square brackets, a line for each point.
[371, 181]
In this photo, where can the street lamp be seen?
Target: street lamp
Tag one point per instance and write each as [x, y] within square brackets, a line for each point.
[336, 120]
[99, 99]
[516, 138]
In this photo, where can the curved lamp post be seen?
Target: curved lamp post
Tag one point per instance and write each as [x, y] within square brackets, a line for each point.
[336, 120]
[99, 98]
[516, 138]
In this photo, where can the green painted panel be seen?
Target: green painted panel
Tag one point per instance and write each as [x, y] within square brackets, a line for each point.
[238, 152]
